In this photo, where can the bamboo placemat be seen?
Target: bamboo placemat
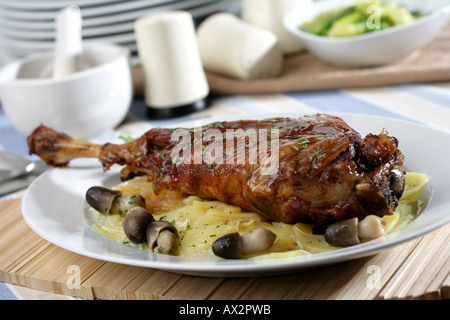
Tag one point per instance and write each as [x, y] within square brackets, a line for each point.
[418, 269]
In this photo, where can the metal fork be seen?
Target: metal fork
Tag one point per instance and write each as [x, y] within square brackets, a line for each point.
[13, 166]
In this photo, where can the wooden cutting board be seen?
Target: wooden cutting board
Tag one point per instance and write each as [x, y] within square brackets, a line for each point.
[418, 269]
[305, 72]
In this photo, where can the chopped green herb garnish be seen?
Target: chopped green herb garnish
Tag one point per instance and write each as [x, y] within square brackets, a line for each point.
[126, 138]
[133, 199]
[304, 143]
[317, 152]
[174, 160]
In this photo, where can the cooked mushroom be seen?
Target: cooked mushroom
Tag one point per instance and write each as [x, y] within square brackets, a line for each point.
[343, 233]
[349, 232]
[257, 241]
[101, 199]
[371, 227]
[397, 182]
[107, 201]
[228, 246]
[233, 245]
[162, 237]
[135, 224]
[123, 204]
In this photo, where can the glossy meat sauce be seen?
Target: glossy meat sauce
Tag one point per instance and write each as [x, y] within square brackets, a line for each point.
[314, 169]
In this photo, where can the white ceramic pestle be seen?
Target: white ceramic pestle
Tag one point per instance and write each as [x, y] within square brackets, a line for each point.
[68, 42]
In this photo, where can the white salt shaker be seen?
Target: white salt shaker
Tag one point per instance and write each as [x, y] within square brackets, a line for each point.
[268, 14]
[175, 82]
[238, 49]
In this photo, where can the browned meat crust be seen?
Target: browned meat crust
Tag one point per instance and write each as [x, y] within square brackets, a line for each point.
[325, 171]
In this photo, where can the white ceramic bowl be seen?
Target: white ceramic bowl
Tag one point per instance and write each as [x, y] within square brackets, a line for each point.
[375, 48]
[81, 104]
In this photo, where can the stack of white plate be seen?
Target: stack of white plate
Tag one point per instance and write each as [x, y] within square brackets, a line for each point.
[28, 26]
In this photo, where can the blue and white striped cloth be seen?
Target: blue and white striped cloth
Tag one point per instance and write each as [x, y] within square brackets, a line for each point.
[427, 104]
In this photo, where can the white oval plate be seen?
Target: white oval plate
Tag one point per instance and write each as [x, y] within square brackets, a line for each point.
[102, 10]
[54, 207]
[27, 20]
[52, 4]
[27, 38]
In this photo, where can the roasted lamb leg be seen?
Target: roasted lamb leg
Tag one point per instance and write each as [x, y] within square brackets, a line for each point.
[314, 169]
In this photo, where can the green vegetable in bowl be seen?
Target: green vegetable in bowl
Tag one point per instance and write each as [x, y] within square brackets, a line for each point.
[364, 17]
